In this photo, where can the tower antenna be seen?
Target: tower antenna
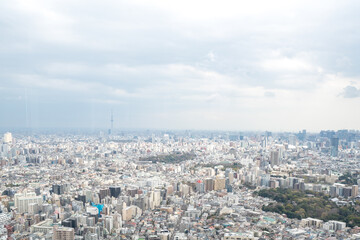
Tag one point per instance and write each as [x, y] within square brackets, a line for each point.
[112, 121]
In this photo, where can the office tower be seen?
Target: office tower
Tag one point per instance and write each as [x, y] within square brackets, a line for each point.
[219, 183]
[90, 221]
[132, 192]
[70, 222]
[209, 184]
[228, 186]
[346, 192]
[229, 175]
[292, 140]
[264, 180]
[274, 158]
[22, 201]
[355, 191]
[103, 193]
[111, 123]
[200, 187]
[303, 134]
[109, 223]
[58, 189]
[63, 233]
[264, 142]
[7, 137]
[115, 191]
[334, 142]
[117, 221]
[157, 198]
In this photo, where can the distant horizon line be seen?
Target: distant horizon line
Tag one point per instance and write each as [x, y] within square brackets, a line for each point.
[116, 130]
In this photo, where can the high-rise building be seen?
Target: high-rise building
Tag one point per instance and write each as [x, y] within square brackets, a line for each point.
[103, 193]
[274, 158]
[69, 222]
[219, 183]
[209, 184]
[200, 187]
[334, 142]
[115, 191]
[229, 175]
[59, 189]
[111, 123]
[355, 191]
[109, 223]
[157, 198]
[22, 201]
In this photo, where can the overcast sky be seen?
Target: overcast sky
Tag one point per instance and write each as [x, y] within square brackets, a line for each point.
[225, 65]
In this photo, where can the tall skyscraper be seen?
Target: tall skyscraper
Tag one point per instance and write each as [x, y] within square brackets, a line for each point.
[274, 158]
[111, 123]
[209, 184]
[115, 191]
[334, 142]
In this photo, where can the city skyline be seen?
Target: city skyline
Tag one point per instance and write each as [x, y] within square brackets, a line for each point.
[184, 186]
[279, 66]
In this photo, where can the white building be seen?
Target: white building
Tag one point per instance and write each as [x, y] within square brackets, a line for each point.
[23, 200]
[7, 137]
[334, 226]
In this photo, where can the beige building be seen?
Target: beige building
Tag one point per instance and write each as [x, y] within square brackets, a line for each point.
[219, 183]
[131, 212]
[63, 233]
[354, 191]
[311, 222]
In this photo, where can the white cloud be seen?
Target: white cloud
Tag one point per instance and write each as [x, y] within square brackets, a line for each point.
[211, 56]
[287, 65]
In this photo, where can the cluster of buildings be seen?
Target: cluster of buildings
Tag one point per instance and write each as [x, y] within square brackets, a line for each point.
[103, 187]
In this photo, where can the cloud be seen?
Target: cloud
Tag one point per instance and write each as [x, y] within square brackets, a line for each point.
[269, 94]
[287, 65]
[211, 56]
[350, 92]
[245, 65]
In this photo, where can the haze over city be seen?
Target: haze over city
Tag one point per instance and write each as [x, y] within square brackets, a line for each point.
[179, 120]
[229, 65]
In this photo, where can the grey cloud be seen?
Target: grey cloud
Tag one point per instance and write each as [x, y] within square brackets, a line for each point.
[350, 92]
